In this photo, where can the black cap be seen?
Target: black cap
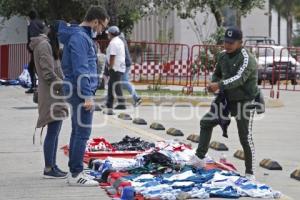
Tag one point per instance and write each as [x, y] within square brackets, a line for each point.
[233, 34]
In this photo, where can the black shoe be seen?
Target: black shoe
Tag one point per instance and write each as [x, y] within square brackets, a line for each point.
[29, 91]
[60, 171]
[108, 111]
[120, 107]
[98, 108]
[104, 106]
[138, 102]
[54, 174]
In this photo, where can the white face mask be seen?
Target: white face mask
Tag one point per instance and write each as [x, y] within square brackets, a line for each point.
[94, 34]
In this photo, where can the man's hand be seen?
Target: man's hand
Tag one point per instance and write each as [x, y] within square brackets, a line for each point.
[213, 87]
[89, 104]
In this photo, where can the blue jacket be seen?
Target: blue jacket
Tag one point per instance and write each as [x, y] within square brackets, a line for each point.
[79, 58]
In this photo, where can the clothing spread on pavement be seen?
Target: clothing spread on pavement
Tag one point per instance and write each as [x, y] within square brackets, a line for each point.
[164, 171]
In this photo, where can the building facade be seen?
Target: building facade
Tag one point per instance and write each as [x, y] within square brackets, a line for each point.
[170, 28]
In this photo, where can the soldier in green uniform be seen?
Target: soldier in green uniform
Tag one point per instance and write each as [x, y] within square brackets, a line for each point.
[236, 76]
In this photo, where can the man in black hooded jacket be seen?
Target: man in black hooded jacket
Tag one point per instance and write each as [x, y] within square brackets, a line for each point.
[35, 28]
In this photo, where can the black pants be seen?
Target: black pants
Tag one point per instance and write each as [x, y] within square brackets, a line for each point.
[114, 86]
[31, 70]
[244, 120]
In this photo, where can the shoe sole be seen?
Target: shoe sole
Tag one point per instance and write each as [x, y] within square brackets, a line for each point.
[52, 177]
[119, 108]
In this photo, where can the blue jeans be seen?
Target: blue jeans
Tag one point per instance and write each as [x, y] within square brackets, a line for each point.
[127, 85]
[81, 130]
[50, 143]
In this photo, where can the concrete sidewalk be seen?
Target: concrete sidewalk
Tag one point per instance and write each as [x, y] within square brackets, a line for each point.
[276, 136]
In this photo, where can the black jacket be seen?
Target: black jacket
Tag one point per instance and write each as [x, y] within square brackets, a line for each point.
[220, 111]
[35, 28]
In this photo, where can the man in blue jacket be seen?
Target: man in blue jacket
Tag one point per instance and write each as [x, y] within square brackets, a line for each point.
[79, 64]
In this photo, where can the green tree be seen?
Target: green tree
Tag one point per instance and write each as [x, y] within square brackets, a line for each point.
[189, 8]
[288, 9]
[47, 9]
[122, 12]
[277, 5]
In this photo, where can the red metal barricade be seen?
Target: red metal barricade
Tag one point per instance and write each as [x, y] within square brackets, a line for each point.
[13, 57]
[266, 60]
[4, 53]
[203, 60]
[158, 63]
[178, 64]
[287, 73]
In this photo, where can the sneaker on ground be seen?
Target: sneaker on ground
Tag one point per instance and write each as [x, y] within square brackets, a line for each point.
[60, 171]
[29, 91]
[54, 174]
[138, 102]
[82, 180]
[103, 106]
[120, 107]
[98, 107]
[197, 162]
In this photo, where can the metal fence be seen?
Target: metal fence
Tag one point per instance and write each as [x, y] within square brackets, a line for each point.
[158, 63]
[13, 57]
[278, 68]
[203, 60]
[287, 71]
[179, 64]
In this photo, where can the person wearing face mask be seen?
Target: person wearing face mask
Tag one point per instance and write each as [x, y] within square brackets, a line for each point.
[52, 110]
[79, 64]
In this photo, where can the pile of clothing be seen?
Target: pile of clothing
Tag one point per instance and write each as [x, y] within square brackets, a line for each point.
[166, 172]
[126, 144]
[98, 144]
[9, 82]
[132, 144]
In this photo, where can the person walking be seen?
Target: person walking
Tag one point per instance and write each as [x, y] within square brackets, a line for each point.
[52, 109]
[79, 64]
[235, 76]
[115, 62]
[34, 29]
[125, 77]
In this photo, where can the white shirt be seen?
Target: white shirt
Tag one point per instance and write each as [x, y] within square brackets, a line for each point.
[116, 47]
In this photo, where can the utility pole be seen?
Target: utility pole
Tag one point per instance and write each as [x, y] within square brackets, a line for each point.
[270, 20]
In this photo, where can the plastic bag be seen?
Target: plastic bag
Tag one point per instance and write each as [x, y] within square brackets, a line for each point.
[24, 79]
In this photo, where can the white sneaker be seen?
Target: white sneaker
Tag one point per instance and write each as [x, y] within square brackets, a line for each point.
[197, 162]
[250, 177]
[82, 180]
